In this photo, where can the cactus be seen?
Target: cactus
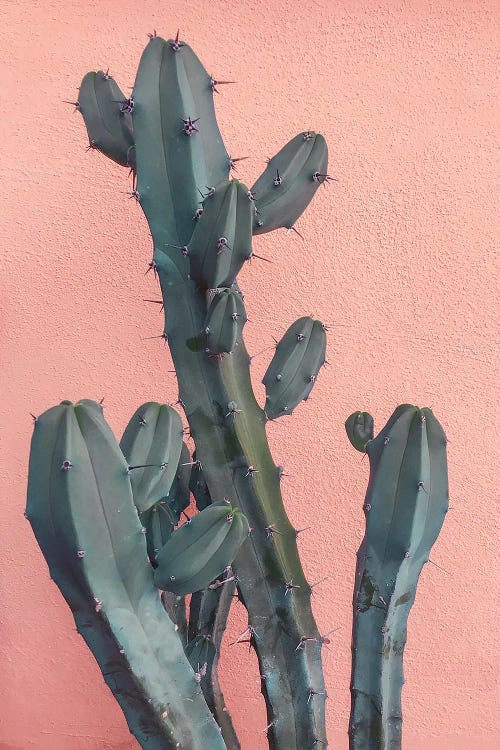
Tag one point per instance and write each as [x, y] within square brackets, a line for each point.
[165, 668]
[405, 506]
[81, 509]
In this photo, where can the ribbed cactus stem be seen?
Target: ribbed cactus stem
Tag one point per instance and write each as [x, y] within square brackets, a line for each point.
[405, 506]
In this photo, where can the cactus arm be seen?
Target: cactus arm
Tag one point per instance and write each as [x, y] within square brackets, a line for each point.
[289, 182]
[96, 525]
[108, 123]
[174, 165]
[405, 505]
[300, 690]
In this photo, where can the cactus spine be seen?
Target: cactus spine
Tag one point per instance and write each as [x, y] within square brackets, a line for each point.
[405, 506]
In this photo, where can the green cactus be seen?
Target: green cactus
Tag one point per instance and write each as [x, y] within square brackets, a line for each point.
[201, 549]
[202, 224]
[81, 509]
[405, 506]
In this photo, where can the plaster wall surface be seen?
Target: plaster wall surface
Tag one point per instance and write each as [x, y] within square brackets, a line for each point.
[397, 257]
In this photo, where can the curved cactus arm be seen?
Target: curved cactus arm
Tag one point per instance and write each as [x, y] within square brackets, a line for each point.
[289, 182]
[106, 113]
[294, 368]
[405, 506]
[87, 500]
[208, 615]
[179, 149]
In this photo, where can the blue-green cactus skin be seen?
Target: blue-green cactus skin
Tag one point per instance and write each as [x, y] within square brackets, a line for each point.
[81, 509]
[293, 370]
[201, 549]
[289, 182]
[359, 429]
[107, 116]
[405, 506]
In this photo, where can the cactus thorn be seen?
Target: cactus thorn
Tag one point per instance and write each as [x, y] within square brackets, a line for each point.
[250, 630]
[217, 584]
[197, 214]
[278, 179]
[76, 105]
[270, 530]
[254, 255]
[232, 162]
[308, 135]
[135, 194]
[251, 471]
[312, 693]
[152, 267]
[66, 465]
[152, 35]
[163, 336]
[233, 409]
[324, 639]
[35, 419]
[92, 145]
[299, 531]
[145, 466]
[317, 583]
[155, 301]
[289, 585]
[302, 643]
[292, 229]
[175, 45]
[269, 726]
[214, 83]
[437, 566]
[190, 126]
[322, 178]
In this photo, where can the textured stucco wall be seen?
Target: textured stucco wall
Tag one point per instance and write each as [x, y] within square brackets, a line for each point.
[398, 258]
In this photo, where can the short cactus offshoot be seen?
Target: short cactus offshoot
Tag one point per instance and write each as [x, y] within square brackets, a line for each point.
[108, 517]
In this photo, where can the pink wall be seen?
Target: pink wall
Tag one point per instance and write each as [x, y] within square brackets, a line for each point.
[397, 258]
